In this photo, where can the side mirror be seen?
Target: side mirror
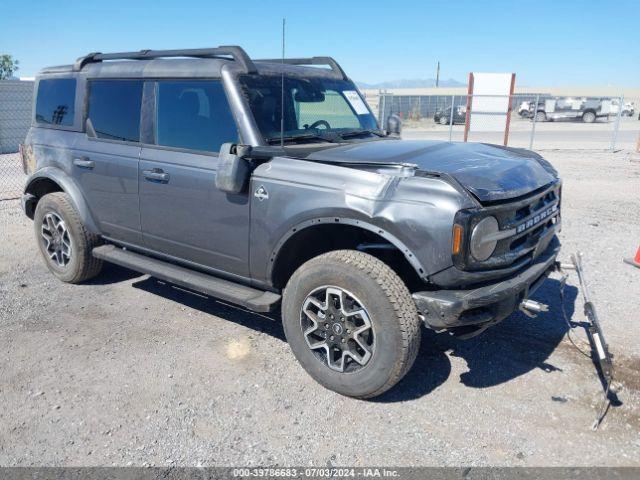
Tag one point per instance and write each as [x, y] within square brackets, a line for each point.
[233, 170]
[394, 125]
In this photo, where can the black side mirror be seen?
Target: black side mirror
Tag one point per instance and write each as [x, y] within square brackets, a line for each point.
[394, 125]
[233, 170]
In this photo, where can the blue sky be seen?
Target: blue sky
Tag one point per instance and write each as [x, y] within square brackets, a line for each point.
[547, 43]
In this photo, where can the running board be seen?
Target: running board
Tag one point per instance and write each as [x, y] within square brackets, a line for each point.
[251, 298]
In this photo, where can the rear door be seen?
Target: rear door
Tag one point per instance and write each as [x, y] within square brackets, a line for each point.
[105, 161]
[183, 214]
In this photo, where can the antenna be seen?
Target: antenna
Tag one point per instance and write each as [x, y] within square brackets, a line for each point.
[438, 74]
[282, 90]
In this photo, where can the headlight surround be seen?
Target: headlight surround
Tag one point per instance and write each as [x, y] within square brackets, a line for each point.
[481, 245]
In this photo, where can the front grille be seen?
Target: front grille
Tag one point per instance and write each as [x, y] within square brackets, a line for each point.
[527, 226]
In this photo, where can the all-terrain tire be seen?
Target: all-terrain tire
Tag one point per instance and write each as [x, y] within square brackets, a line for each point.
[81, 265]
[391, 309]
[588, 117]
[541, 116]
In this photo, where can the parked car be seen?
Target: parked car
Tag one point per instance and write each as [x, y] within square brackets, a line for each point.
[628, 110]
[443, 116]
[182, 164]
[569, 108]
[524, 109]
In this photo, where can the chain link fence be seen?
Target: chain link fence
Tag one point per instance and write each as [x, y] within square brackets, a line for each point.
[536, 121]
[15, 118]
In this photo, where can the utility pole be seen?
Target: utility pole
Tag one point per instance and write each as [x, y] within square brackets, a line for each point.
[438, 74]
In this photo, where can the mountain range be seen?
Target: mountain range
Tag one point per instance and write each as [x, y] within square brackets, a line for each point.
[412, 83]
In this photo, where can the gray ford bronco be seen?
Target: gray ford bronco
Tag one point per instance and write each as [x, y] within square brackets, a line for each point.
[269, 184]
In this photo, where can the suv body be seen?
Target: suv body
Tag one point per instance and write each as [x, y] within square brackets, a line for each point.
[183, 168]
[443, 116]
[569, 108]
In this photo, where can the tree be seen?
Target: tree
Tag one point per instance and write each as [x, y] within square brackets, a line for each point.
[7, 66]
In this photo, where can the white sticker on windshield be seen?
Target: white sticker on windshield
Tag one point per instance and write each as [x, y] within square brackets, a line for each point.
[356, 102]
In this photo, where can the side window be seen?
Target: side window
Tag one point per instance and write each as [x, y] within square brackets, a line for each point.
[114, 108]
[194, 115]
[55, 101]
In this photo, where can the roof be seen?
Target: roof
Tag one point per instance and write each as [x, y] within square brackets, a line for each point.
[203, 63]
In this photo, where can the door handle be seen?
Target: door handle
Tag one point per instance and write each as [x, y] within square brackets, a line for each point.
[83, 162]
[156, 175]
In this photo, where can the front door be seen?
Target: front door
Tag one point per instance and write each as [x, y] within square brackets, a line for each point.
[183, 214]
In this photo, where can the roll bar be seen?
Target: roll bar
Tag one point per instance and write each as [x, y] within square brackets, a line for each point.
[310, 61]
[236, 53]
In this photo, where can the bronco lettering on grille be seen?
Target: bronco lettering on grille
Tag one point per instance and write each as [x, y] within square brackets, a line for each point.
[543, 215]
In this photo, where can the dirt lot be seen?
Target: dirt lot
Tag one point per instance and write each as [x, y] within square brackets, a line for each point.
[126, 370]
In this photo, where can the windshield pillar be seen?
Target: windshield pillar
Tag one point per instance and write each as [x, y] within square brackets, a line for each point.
[249, 132]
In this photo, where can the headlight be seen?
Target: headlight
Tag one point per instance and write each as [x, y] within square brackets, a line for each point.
[483, 242]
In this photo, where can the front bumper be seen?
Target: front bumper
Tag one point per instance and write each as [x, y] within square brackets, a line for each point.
[480, 307]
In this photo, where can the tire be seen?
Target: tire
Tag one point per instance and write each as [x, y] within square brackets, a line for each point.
[392, 340]
[541, 116]
[67, 247]
[588, 117]
[443, 120]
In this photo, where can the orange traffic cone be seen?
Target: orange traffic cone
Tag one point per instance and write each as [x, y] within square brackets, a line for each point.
[634, 261]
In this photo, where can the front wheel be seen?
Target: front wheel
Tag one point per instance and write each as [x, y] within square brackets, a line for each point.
[541, 116]
[351, 323]
[588, 117]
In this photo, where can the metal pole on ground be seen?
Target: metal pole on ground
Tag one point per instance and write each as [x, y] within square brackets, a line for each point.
[453, 101]
[533, 127]
[614, 136]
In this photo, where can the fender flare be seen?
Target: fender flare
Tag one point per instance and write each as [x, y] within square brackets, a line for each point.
[392, 239]
[70, 187]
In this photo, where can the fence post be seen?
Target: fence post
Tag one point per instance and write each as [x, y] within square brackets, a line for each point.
[381, 108]
[533, 128]
[453, 102]
[614, 135]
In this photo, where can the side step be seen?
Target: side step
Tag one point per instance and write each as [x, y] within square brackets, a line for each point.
[251, 298]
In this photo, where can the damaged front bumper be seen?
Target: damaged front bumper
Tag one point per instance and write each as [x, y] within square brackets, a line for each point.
[468, 312]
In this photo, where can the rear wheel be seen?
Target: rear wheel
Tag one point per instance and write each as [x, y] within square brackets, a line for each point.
[444, 120]
[351, 323]
[64, 242]
[588, 117]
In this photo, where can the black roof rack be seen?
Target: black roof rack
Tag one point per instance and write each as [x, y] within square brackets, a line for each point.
[237, 53]
[310, 61]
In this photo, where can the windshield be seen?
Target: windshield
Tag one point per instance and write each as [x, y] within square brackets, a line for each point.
[314, 108]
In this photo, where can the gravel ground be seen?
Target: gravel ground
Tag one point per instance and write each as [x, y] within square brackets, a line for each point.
[126, 370]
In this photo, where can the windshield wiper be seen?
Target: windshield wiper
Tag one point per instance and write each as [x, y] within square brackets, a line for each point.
[358, 133]
[304, 136]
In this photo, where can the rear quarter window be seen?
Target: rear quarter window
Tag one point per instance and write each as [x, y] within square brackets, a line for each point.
[55, 101]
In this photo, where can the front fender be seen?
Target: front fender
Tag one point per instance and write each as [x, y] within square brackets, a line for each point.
[68, 185]
[392, 239]
[415, 214]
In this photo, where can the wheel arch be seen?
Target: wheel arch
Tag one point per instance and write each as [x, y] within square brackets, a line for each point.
[286, 257]
[49, 180]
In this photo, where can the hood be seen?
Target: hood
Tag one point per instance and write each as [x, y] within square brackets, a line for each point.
[490, 172]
